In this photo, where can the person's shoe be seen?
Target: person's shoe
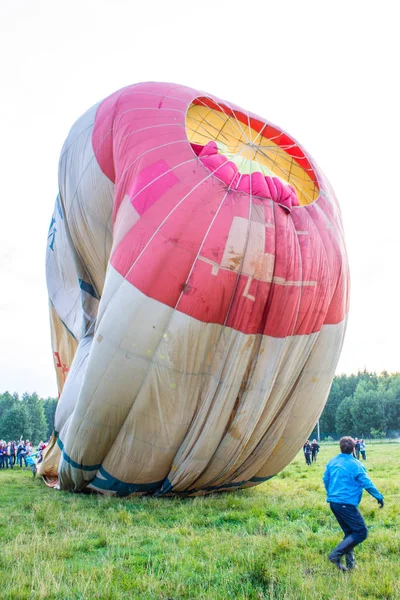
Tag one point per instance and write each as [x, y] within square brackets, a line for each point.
[337, 563]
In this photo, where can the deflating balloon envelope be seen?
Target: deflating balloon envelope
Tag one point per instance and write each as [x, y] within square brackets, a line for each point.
[198, 287]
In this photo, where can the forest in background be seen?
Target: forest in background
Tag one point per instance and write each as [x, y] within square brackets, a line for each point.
[364, 404]
[28, 416]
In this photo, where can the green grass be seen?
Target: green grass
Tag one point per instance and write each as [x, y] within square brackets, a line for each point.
[267, 542]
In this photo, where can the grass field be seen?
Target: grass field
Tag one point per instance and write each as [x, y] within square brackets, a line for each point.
[267, 542]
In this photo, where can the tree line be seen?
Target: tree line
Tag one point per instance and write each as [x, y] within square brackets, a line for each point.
[364, 405]
[28, 416]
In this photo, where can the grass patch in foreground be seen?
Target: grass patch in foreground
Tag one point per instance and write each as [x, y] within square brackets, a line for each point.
[267, 542]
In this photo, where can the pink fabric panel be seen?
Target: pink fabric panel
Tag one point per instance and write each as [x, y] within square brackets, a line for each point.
[314, 300]
[327, 222]
[255, 184]
[246, 314]
[139, 236]
[102, 136]
[150, 185]
[137, 152]
[260, 186]
[208, 150]
[162, 270]
[178, 239]
[283, 300]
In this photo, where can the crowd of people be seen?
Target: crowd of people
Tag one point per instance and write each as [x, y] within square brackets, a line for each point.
[19, 453]
[359, 448]
[311, 450]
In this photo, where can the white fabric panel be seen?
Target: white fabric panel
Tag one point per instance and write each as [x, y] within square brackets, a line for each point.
[273, 375]
[73, 384]
[309, 397]
[62, 280]
[87, 197]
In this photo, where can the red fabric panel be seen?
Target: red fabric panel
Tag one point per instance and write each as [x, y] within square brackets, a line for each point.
[194, 241]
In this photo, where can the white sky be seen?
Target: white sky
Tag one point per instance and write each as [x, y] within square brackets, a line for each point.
[326, 72]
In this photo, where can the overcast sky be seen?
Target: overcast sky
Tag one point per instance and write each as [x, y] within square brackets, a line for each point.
[326, 72]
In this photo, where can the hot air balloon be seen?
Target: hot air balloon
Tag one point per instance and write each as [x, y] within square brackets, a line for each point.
[198, 286]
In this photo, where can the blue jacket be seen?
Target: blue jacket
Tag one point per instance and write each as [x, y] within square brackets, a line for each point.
[345, 478]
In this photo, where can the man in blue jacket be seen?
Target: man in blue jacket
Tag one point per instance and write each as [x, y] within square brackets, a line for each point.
[345, 478]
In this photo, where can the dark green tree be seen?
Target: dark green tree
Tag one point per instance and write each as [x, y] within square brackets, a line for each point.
[37, 420]
[14, 423]
[343, 386]
[49, 406]
[344, 423]
[7, 400]
[391, 399]
[327, 419]
[368, 408]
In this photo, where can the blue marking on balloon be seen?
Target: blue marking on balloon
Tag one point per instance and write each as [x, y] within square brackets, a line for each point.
[105, 481]
[73, 463]
[87, 287]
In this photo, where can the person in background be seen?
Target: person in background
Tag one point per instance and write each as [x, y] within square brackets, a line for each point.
[13, 451]
[344, 479]
[307, 452]
[5, 455]
[1, 455]
[10, 454]
[357, 448]
[21, 453]
[363, 450]
[314, 450]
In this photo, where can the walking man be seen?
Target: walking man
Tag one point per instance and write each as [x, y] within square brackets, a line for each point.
[344, 479]
[357, 448]
[314, 450]
[363, 450]
[307, 452]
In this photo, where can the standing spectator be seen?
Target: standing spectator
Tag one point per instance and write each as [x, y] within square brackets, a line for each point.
[363, 450]
[28, 446]
[345, 478]
[314, 450]
[307, 452]
[10, 454]
[5, 455]
[1, 455]
[21, 453]
[357, 448]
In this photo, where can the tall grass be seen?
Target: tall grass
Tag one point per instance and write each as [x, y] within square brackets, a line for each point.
[268, 542]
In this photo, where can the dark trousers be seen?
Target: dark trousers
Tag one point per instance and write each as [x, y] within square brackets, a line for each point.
[314, 456]
[308, 458]
[353, 526]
